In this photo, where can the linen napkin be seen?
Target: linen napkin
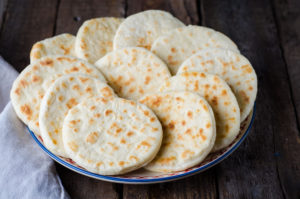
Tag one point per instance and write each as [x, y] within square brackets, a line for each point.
[25, 170]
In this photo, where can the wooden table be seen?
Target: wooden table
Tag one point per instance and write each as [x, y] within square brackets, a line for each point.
[267, 164]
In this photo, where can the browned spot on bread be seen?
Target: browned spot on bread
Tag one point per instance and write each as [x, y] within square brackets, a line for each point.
[244, 95]
[106, 92]
[123, 141]
[190, 114]
[36, 78]
[61, 98]
[17, 91]
[92, 137]
[144, 143]
[152, 119]
[83, 79]
[114, 147]
[91, 121]
[97, 115]
[73, 146]
[71, 102]
[132, 157]
[111, 163]
[147, 80]
[107, 112]
[226, 128]
[88, 89]
[74, 69]
[93, 108]
[214, 100]
[247, 68]
[121, 163]
[157, 101]
[183, 122]
[208, 125]
[64, 85]
[37, 124]
[76, 87]
[26, 110]
[188, 131]
[24, 83]
[130, 133]
[47, 62]
[146, 113]
[216, 79]
[119, 130]
[250, 88]
[99, 164]
[166, 160]
[187, 153]
[201, 134]
[171, 125]
[54, 141]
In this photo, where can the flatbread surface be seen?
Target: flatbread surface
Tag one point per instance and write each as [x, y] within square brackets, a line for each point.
[189, 129]
[132, 72]
[95, 38]
[143, 28]
[233, 67]
[65, 93]
[219, 96]
[62, 44]
[30, 86]
[111, 137]
[179, 44]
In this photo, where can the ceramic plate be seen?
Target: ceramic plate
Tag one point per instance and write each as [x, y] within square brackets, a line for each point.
[143, 176]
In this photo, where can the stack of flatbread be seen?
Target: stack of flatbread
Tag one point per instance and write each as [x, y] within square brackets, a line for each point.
[145, 91]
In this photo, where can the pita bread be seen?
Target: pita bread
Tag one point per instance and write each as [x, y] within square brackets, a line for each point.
[219, 96]
[111, 137]
[65, 93]
[30, 86]
[233, 67]
[179, 44]
[189, 130]
[133, 72]
[143, 28]
[62, 44]
[95, 38]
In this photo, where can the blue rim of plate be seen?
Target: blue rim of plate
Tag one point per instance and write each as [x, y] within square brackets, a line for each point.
[155, 180]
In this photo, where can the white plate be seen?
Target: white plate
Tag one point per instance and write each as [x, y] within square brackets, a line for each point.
[143, 176]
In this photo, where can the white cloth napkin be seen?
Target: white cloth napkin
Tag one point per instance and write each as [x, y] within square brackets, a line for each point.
[25, 170]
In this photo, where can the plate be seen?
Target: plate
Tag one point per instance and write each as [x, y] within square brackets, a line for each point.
[143, 176]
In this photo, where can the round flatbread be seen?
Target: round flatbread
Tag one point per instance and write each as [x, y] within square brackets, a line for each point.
[179, 44]
[62, 44]
[30, 86]
[189, 130]
[143, 28]
[233, 67]
[65, 93]
[111, 137]
[95, 38]
[219, 96]
[133, 72]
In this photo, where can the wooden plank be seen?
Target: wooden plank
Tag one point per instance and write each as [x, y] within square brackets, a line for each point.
[287, 14]
[266, 161]
[199, 186]
[3, 6]
[71, 14]
[79, 186]
[25, 23]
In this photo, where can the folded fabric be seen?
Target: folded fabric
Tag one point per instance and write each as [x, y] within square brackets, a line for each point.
[25, 170]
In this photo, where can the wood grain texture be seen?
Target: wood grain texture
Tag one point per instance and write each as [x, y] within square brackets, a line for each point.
[25, 23]
[287, 14]
[72, 13]
[256, 170]
[198, 186]
[3, 6]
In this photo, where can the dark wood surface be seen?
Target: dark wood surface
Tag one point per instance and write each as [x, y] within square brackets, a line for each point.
[267, 164]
